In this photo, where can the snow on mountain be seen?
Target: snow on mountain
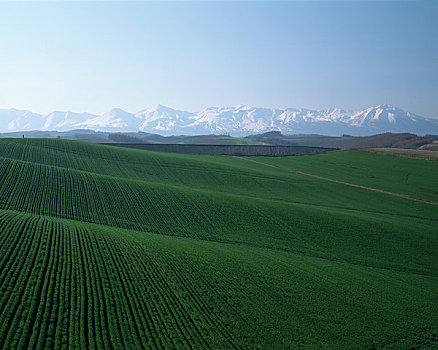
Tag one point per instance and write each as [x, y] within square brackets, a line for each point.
[63, 121]
[236, 120]
[388, 118]
[115, 120]
[232, 119]
[17, 120]
[162, 119]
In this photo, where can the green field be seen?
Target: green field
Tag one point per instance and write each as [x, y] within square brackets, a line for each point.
[384, 171]
[430, 153]
[113, 248]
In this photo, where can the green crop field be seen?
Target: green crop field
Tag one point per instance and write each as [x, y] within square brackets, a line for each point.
[114, 248]
[427, 153]
[402, 175]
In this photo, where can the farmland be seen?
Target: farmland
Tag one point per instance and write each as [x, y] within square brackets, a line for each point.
[426, 153]
[236, 149]
[113, 248]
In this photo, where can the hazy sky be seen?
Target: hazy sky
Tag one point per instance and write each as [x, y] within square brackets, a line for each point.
[93, 56]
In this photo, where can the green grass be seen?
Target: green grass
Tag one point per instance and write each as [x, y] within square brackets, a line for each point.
[104, 247]
[415, 177]
[427, 154]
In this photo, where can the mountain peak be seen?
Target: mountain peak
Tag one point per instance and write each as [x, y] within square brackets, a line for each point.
[117, 110]
[160, 107]
[236, 120]
[385, 106]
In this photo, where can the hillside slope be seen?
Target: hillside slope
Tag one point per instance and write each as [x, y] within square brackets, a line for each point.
[103, 247]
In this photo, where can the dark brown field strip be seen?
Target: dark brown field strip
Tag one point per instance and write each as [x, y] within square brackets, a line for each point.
[342, 182]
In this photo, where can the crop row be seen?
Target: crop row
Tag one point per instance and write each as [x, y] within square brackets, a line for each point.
[63, 285]
[81, 196]
[180, 211]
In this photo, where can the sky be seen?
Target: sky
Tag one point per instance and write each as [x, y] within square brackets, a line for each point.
[93, 56]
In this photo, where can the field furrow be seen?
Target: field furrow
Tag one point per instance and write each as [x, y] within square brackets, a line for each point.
[111, 248]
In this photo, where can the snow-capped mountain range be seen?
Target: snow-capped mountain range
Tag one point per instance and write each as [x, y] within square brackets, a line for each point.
[237, 121]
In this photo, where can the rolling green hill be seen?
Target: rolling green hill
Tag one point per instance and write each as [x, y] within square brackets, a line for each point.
[104, 247]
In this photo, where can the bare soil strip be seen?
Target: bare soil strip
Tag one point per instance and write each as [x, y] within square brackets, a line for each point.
[342, 182]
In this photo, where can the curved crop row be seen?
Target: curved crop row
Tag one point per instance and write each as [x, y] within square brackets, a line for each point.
[222, 254]
[67, 286]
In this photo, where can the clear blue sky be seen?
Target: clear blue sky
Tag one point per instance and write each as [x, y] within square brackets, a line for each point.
[93, 56]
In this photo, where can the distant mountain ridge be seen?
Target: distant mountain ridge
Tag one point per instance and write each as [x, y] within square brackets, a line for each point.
[238, 120]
